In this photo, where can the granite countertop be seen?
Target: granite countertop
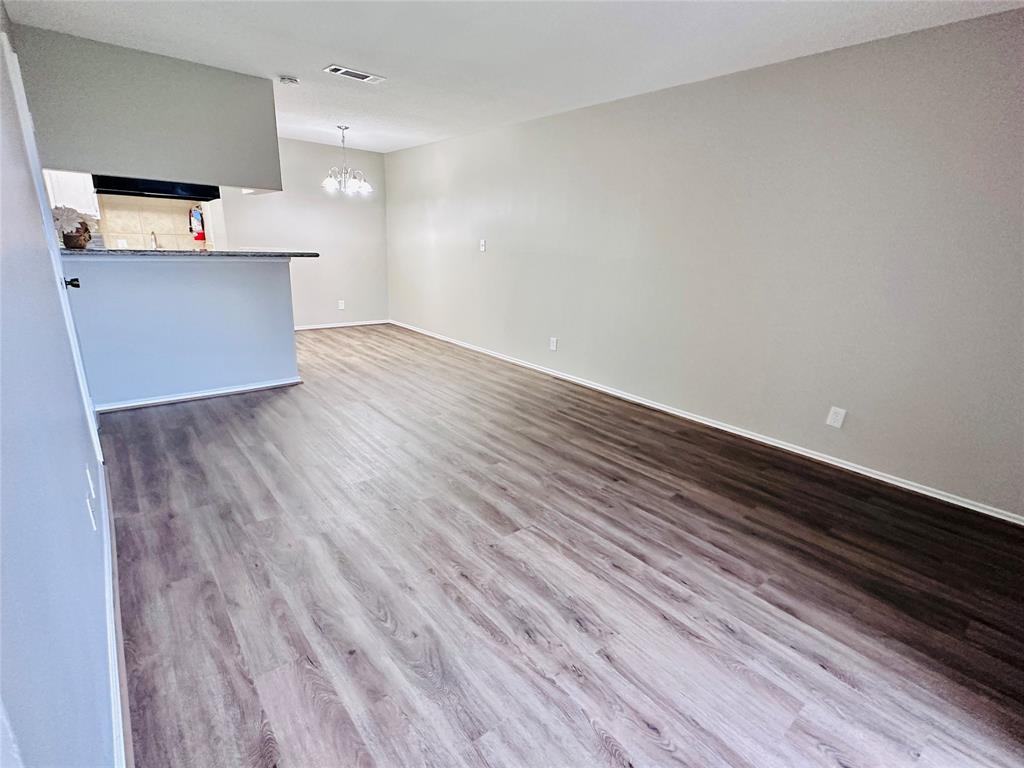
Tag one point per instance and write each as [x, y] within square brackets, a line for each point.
[129, 253]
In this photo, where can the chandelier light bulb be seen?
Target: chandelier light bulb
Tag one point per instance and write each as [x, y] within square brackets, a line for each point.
[331, 183]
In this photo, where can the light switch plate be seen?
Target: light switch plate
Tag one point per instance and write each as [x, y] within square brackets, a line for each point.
[483, 246]
[836, 417]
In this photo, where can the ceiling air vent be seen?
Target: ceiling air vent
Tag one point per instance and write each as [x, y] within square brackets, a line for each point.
[354, 74]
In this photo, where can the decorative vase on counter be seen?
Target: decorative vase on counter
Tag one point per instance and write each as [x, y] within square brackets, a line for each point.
[78, 239]
[73, 226]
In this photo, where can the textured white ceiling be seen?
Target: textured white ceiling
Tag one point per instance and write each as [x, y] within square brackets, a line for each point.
[455, 68]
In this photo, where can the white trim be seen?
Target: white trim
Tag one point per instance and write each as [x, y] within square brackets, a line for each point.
[899, 482]
[340, 325]
[125, 405]
[10, 755]
[115, 646]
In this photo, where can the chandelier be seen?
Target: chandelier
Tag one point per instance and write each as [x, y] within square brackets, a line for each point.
[345, 179]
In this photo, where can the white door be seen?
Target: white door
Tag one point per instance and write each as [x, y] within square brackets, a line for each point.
[58, 650]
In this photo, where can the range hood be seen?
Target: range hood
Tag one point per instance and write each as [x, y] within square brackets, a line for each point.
[176, 190]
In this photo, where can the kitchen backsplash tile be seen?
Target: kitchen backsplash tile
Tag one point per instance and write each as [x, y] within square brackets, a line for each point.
[133, 219]
[187, 243]
[124, 240]
[116, 219]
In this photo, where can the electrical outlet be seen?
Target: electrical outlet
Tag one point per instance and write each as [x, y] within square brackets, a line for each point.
[341, 303]
[553, 343]
[483, 246]
[835, 417]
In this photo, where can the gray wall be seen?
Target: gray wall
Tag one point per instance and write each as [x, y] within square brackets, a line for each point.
[54, 669]
[348, 233]
[101, 108]
[840, 229]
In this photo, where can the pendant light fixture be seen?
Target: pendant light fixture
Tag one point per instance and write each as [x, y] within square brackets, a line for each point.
[345, 179]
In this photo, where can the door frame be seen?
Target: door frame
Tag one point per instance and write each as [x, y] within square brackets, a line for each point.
[29, 136]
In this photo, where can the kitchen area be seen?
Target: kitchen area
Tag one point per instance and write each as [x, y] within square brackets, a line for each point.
[118, 213]
[161, 314]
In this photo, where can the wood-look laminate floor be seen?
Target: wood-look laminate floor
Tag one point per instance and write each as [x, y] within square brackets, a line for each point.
[426, 557]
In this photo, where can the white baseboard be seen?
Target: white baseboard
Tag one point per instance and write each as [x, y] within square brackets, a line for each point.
[899, 482]
[121, 717]
[201, 395]
[340, 325]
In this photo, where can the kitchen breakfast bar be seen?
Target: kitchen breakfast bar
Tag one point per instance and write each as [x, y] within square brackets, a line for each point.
[159, 326]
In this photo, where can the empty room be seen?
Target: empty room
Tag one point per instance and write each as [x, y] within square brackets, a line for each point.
[512, 384]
